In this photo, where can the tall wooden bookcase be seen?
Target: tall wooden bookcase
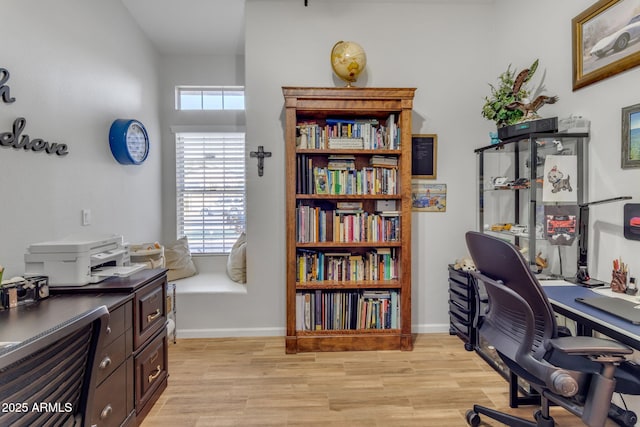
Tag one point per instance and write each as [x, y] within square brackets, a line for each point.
[348, 216]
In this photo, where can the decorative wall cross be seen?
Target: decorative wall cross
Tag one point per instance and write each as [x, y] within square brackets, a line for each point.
[260, 154]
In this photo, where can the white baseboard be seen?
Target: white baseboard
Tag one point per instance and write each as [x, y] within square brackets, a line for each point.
[230, 332]
[280, 332]
[431, 328]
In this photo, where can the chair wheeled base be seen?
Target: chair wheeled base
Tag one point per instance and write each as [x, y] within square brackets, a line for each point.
[542, 417]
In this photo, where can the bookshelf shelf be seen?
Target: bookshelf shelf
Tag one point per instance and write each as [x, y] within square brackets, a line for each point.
[353, 284]
[349, 196]
[326, 151]
[349, 245]
[348, 216]
[351, 332]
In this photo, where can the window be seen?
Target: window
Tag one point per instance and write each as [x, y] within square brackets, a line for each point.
[210, 98]
[210, 189]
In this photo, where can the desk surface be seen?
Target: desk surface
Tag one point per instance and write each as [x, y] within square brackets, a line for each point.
[113, 284]
[23, 322]
[562, 298]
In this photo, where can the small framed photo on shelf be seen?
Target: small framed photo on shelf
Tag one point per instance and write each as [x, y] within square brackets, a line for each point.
[424, 156]
[631, 137]
[428, 197]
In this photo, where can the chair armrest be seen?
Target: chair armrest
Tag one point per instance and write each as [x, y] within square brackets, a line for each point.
[588, 346]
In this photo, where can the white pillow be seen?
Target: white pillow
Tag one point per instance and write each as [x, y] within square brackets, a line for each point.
[237, 261]
[178, 260]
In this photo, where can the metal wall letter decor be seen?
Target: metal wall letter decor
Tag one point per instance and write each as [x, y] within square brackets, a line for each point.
[16, 140]
[4, 90]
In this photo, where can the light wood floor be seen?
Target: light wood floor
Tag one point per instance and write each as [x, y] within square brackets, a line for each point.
[252, 382]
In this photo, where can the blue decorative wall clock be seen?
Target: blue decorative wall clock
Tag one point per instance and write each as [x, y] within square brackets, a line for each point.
[129, 141]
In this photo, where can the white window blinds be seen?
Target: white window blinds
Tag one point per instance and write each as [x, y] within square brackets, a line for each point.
[210, 189]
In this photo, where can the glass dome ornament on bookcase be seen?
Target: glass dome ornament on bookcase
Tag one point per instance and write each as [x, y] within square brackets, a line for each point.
[348, 60]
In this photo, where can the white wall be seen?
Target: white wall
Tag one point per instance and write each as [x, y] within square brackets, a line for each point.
[72, 74]
[75, 67]
[413, 44]
[408, 45]
[600, 102]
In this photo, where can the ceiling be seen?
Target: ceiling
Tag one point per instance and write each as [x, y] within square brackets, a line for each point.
[191, 27]
[210, 27]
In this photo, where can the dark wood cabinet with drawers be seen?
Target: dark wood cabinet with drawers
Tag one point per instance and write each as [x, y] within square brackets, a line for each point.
[132, 366]
[462, 307]
[113, 399]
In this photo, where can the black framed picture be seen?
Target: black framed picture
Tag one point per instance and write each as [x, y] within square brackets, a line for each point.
[632, 221]
[424, 153]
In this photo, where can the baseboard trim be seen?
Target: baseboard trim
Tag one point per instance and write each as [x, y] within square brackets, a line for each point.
[430, 328]
[280, 332]
[230, 332]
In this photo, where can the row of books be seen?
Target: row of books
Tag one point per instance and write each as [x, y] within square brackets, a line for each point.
[368, 180]
[314, 224]
[348, 161]
[367, 134]
[316, 265]
[347, 310]
[375, 179]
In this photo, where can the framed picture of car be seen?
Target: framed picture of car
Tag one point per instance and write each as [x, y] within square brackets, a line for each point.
[631, 137]
[606, 41]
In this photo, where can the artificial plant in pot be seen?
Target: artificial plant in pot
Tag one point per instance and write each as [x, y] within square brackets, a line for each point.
[510, 89]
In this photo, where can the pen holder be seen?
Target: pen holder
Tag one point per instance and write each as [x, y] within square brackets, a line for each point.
[618, 281]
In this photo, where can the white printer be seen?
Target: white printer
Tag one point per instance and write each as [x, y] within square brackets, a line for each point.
[77, 260]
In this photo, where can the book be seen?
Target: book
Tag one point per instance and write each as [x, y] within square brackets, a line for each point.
[346, 143]
[383, 161]
[341, 162]
[349, 205]
[385, 205]
[321, 181]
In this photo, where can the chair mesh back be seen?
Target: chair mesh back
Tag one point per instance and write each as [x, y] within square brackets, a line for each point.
[47, 383]
[505, 325]
[50, 378]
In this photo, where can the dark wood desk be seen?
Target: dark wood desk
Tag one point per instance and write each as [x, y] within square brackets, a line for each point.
[133, 366]
[143, 345]
[23, 322]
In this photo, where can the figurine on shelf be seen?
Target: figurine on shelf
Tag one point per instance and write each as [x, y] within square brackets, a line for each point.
[541, 262]
[529, 109]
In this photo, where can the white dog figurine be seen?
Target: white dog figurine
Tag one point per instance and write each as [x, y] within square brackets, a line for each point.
[464, 264]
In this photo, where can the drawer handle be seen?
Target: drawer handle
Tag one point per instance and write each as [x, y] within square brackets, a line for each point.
[155, 374]
[105, 362]
[106, 412]
[154, 316]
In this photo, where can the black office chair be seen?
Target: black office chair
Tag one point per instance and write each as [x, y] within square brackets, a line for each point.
[48, 380]
[577, 373]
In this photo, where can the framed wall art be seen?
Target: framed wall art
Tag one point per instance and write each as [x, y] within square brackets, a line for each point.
[605, 41]
[424, 156]
[631, 137]
[428, 197]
